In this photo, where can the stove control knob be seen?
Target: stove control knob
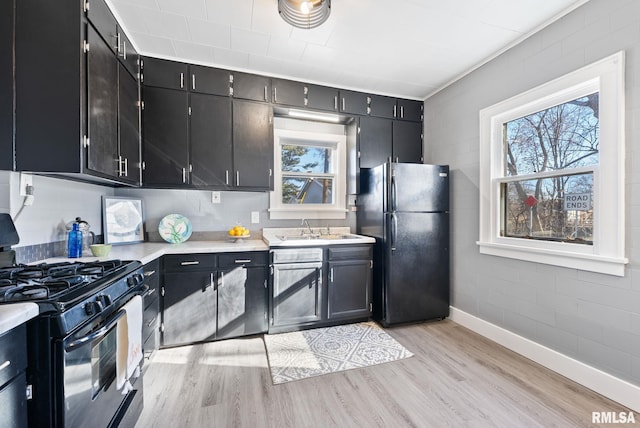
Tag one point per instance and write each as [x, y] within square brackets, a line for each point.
[89, 308]
[103, 301]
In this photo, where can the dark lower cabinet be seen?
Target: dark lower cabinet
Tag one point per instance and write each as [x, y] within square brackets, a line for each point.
[190, 307]
[336, 288]
[13, 384]
[349, 282]
[166, 136]
[151, 315]
[242, 294]
[213, 296]
[297, 294]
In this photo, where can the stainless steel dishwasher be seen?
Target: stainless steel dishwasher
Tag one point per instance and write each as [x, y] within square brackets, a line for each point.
[296, 275]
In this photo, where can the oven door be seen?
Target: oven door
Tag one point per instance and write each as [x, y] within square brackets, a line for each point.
[89, 372]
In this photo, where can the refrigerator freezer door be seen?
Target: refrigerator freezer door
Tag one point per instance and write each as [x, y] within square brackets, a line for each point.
[416, 285]
[418, 188]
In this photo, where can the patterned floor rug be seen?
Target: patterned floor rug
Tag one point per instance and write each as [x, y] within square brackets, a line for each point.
[303, 354]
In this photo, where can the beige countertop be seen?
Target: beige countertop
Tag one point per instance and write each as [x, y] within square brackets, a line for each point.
[149, 251]
[15, 314]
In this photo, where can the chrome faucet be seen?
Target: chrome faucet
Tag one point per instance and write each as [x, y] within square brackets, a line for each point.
[303, 223]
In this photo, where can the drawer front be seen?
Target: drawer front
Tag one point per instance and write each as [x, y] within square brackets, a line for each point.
[297, 255]
[189, 262]
[13, 353]
[350, 253]
[243, 259]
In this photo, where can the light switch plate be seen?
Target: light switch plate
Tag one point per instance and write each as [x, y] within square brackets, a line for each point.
[255, 217]
[215, 197]
[25, 180]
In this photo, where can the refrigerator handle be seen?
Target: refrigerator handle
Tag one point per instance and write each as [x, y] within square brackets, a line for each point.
[394, 191]
[394, 230]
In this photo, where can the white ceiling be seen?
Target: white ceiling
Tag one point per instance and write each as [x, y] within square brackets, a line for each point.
[405, 48]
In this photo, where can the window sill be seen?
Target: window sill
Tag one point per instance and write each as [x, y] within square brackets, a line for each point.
[587, 262]
[311, 214]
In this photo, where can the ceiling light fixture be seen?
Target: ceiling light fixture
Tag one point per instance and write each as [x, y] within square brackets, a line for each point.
[305, 14]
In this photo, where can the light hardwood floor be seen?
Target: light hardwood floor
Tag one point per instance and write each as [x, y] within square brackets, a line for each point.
[455, 379]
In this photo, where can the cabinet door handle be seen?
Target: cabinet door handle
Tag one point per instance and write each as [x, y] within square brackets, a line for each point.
[265, 93]
[242, 261]
[193, 81]
[181, 80]
[275, 94]
[395, 110]
[401, 112]
[189, 263]
[335, 102]
[331, 275]
[5, 365]
[344, 104]
[149, 273]
[118, 43]
[120, 166]
[150, 323]
[221, 280]
[126, 167]
[184, 175]
[226, 177]
[124, 50]
[237, 178]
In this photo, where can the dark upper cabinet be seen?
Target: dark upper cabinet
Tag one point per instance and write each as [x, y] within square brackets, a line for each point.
[354, 102]
[102, 100]
[407, 141]
[127, 54]
[251, 86]
[165, 74]
[288, 92]
[375, 141]
[409, 110]
[322, 98]
[128, 127]
[211, 145]
[165, 131]
[75, 99]
[382, 106]
[252, 144]
[208, 80]
[104, 22]
[6, 85]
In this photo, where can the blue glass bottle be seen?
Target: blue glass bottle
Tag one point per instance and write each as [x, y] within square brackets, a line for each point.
[74, 242]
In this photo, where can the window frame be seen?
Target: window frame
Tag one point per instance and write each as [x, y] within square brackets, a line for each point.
[337, 210]
[606, 255]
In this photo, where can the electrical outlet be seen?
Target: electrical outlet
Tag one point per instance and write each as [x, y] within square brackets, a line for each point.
[25, 180]
[215, 197]
[255, 217]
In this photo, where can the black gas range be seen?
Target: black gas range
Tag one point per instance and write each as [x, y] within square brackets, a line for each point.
[72, 343]
[71, 292]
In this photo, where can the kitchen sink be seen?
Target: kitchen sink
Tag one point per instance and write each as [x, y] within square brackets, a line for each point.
[307, 236]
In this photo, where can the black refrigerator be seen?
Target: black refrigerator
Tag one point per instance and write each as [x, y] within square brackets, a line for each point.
[405, 207]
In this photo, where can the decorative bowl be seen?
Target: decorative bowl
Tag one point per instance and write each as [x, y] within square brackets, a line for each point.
[100, 250]
[175, 228]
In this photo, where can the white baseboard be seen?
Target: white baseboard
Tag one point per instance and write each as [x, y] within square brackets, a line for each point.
[603, 383]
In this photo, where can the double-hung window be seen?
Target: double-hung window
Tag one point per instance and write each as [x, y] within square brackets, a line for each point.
[310, 175]
[552, 172]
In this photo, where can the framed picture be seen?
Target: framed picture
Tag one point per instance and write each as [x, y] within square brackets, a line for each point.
[122, 220]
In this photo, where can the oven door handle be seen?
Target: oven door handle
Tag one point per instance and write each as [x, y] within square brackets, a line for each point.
[98, 333]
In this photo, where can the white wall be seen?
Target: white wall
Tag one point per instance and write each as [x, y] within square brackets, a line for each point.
[590, 317]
